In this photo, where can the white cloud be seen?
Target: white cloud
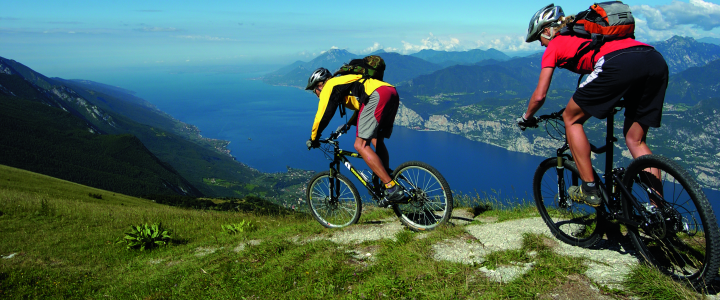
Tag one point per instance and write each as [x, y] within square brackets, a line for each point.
[696, 18]
[434, 43]
[507, 43]
[158, 29]
[71, 31]
[375, 47]
[696, 13]
[205, 38]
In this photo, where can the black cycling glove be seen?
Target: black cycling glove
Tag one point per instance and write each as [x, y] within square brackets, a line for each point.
[525, 123]
[312, 144]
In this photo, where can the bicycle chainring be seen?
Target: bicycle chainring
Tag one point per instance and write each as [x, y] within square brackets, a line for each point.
[676, 222]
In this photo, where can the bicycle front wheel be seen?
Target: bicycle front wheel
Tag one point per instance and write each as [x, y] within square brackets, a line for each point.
[681, 237]
[337, 207]
[431, 200]
[574, 223]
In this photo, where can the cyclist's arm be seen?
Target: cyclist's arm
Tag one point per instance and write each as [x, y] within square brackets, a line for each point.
[325, 113]
[538, 97]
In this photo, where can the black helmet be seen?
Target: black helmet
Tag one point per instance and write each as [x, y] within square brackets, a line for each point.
[547, 16]
[317, 76]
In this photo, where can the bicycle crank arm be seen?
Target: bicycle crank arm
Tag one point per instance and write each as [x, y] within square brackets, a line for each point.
[628, 222]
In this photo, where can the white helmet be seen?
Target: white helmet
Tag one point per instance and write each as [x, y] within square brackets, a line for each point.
[317, 76]
[548, 16]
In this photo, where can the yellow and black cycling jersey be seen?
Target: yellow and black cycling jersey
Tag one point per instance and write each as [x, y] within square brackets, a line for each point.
[336, 91]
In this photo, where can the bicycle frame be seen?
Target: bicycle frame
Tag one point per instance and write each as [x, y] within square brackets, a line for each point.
[662, 209]
[612, 176]
[340, 155]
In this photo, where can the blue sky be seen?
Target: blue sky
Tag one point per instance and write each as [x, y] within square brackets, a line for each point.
[72, 38]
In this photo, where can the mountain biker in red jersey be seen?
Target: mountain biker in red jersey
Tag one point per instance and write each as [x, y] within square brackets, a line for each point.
[374, 121]
[623, 68]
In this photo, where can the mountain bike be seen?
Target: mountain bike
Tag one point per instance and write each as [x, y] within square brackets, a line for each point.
[667, 218]
[335, 202]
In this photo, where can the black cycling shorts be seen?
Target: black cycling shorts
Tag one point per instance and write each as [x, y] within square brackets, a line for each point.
[639, 75]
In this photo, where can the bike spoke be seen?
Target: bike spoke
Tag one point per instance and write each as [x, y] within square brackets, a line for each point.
[674, 236]
[336, 207]
[571, 222]
[430, 203]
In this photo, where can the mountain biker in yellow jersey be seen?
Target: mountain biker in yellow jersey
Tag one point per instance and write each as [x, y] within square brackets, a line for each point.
[623, 68]
[374, 121]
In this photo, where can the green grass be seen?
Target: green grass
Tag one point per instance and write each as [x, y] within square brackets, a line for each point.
[496, 205]
[649, 283]
[64, 246]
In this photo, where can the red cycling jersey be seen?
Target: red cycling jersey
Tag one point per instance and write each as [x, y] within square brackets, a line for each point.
[563, 48]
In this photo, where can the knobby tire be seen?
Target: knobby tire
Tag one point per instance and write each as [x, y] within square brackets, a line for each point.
[574, 223]
[431, 201]
[329, 209]
[683, 240]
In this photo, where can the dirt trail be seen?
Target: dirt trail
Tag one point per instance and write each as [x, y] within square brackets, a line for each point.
[608, 261]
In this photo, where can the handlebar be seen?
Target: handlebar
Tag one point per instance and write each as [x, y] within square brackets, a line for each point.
[331, 144]
[335, 135]
[553, 116]
[332, 139]
[555, 119]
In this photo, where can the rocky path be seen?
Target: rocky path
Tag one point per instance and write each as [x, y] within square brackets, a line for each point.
[608, 262]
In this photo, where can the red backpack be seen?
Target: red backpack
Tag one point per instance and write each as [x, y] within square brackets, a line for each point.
[602, 22]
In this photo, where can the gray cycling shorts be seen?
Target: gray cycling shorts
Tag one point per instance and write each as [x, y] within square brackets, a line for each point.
[377, 116]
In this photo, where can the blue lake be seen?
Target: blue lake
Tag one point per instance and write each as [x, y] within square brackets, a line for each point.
[268, 126]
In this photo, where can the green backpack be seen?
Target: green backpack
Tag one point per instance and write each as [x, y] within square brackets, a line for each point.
[372, 66]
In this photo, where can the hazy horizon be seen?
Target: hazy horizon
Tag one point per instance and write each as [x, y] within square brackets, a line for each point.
[80, 38]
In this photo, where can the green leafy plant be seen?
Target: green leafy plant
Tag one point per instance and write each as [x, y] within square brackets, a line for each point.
[238, 227]
[146, 237]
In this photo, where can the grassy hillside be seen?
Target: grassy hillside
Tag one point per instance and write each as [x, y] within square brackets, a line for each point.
[105, 137]
[44, 139]
[58, 241]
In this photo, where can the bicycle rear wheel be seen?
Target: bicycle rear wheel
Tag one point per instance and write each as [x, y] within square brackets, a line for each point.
[431, 200]
[334, 208]
[574, 223]
[682, 239]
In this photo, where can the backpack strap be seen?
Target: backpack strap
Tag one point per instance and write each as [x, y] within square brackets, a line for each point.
[355, 89]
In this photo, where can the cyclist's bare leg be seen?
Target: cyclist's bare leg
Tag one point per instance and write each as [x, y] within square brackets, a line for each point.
[371, 158]
[635, 138]
[574, 118]
[636, 141]
[382, 152]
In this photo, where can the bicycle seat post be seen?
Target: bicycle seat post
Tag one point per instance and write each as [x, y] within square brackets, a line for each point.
[609, 141]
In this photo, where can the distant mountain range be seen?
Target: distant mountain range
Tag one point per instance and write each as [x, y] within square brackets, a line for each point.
[104, 136]
[447, 59]
[695, 84]
[682, 53]
[400, 67]
[710, 40]
[480, 75]
[481, 99]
